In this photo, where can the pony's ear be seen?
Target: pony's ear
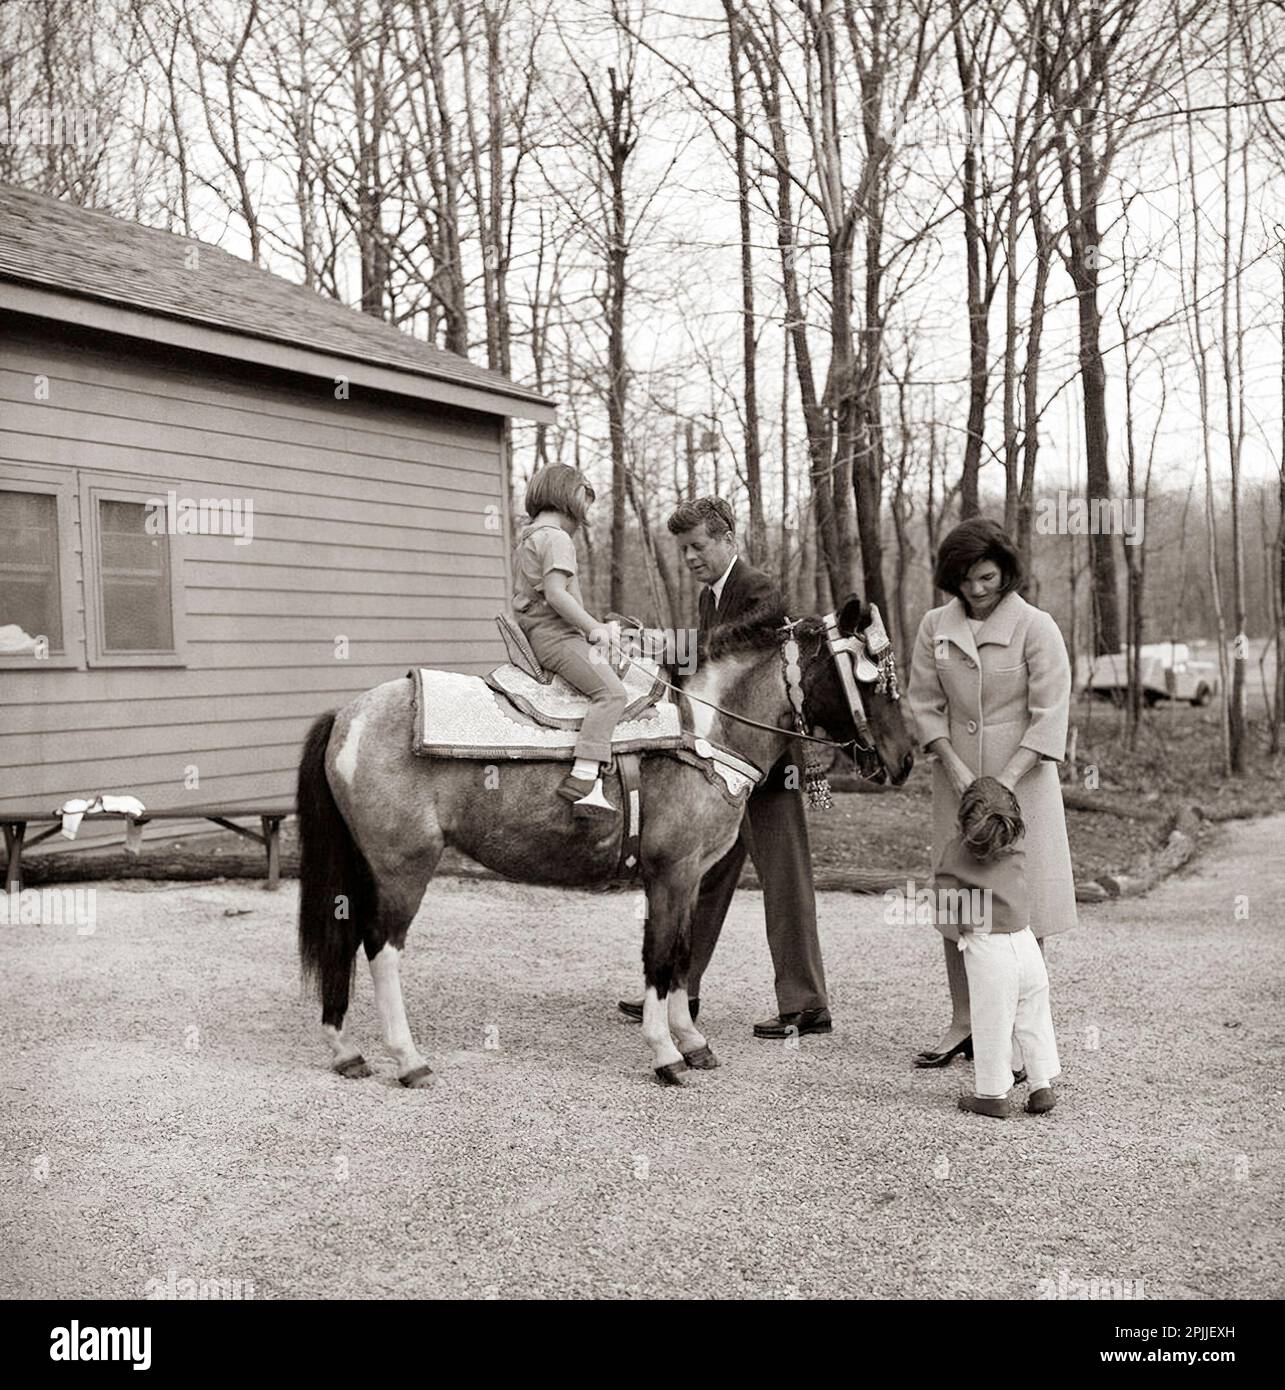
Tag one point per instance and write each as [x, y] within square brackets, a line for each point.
[851, 614]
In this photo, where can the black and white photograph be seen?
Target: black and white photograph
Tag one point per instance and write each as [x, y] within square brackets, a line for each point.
[642, 658]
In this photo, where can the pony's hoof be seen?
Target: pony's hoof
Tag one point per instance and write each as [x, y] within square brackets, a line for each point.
[354, 1069]
[671, 1074]
[418, 1079]
[701, 1058]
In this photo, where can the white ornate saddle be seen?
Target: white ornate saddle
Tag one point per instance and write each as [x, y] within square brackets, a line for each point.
[519, 649]
[550, 701]
[520, 710]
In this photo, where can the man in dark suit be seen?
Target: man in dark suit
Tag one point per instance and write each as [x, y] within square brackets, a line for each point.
[774, 832]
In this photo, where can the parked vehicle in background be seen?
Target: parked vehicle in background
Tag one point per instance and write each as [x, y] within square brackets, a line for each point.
[1167, 671]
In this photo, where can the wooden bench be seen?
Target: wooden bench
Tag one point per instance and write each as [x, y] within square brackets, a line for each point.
[16, 823]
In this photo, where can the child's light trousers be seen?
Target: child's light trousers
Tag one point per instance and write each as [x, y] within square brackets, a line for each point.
[562, 650]
[1008, 992]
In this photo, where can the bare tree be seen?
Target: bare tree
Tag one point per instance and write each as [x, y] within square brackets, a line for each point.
[749, 325]
[1232, 353]
[62, 89]
[1139, 488]
[1099, 69]
[976, 65]
[1194, 314]
[224, 53]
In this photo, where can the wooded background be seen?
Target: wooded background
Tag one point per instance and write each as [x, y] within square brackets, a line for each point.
[862, 268]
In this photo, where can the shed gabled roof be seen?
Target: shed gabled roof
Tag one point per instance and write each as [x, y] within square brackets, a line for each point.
[53, 245]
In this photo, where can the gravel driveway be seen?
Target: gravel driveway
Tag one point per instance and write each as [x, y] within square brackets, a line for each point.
[168, 1113]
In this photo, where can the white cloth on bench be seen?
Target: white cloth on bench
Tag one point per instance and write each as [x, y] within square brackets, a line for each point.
[74, 810]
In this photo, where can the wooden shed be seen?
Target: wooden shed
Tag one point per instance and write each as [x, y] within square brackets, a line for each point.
[356, 524]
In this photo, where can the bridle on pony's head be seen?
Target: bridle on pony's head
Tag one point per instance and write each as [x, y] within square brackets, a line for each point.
[861, 656]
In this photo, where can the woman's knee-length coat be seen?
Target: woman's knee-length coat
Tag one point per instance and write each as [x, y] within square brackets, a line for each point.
[1004, 688]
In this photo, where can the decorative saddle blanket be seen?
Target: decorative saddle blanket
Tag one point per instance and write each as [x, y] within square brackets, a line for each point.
[510, 715]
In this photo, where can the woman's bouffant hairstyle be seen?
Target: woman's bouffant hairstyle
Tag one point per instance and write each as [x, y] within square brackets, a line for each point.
[712, 512]
[976, 539]
[990, 819]
[557, 487]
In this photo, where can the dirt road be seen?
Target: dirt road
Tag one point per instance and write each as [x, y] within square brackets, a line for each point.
[168, 1114]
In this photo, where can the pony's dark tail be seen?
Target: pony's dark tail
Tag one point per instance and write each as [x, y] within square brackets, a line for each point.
[336, 887]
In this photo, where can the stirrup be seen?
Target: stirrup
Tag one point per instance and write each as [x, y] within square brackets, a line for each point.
[595, 797]
[594, 803]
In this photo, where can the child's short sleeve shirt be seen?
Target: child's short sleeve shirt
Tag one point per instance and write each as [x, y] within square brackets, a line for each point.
[541, 549]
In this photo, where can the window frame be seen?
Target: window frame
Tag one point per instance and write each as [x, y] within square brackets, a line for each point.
[61, 484]
[114, 487]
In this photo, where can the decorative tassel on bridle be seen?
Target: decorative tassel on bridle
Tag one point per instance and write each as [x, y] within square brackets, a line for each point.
[815, 781]
[879, 649]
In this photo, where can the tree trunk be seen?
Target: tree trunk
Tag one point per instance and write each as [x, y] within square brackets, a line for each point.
[785, 463]
[749, 340]
[442, 215]
[816, 422]
[901, 511]
[1278, 568]
[1093, 382]
[1232, 347]
[978, 305]
[868, 452]
[666, 600]
[1200, 352]
[1031, 375]
[620, 147]
[1132, 553]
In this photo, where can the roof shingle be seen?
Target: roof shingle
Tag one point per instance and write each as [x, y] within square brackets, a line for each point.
[59, 245]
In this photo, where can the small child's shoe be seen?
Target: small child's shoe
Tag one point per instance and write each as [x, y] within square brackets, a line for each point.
[588, 800]
[995, 1106]
[1040, 1102]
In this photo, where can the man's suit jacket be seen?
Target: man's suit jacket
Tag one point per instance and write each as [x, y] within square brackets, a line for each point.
[746, 588]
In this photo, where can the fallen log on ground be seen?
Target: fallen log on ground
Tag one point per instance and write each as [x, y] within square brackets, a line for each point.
[1178, 846]
[160, 862]
[1077, 799]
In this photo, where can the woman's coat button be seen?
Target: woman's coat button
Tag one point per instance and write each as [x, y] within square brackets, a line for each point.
[972, 726]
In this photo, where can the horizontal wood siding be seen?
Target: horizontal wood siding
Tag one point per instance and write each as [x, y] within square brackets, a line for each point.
[378, 521]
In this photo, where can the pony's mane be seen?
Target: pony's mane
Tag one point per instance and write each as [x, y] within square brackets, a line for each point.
[758, 629]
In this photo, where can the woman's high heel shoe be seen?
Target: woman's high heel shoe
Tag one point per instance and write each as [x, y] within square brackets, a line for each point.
[941, 1059]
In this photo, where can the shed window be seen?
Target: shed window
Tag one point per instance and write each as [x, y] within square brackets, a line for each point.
[135, 576]
[30, 581]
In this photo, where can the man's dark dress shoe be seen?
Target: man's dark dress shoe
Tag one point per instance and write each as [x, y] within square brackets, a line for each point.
[632, 1008]
[806, 1021]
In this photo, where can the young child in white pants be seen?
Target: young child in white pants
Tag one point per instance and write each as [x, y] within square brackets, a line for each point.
[1008, 986]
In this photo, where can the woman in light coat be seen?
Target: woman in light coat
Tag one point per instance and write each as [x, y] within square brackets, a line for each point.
[990, 693]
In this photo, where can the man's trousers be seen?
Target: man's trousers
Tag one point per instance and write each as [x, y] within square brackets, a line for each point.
[774, 833]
